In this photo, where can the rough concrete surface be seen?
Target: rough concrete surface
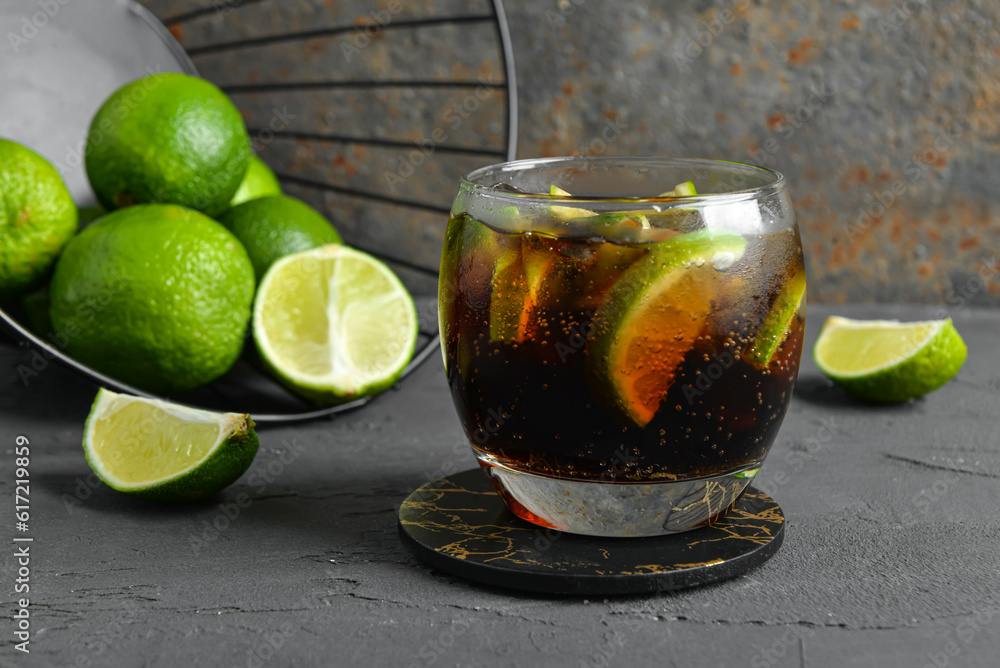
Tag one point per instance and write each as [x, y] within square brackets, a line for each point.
[890, 555]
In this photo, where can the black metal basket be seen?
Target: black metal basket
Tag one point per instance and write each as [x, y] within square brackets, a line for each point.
[379, 155]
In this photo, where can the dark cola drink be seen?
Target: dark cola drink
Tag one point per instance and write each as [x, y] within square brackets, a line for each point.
[625, 348]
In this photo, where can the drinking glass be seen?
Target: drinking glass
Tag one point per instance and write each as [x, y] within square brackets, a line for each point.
[621, 336]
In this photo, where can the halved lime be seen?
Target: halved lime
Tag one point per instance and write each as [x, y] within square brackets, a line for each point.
[334, 324]
[161, 451]
[886, 360]
[776, 326]
[652, 315]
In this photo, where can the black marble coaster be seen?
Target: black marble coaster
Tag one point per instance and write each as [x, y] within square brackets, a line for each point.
[458, 524]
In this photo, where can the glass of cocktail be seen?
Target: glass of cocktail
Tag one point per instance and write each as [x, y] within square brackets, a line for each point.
[621, 336]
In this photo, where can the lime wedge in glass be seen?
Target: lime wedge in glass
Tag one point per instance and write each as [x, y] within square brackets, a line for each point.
[779, 319]
[565, 212]
[519, 279]
[651, 317]
[685, 189]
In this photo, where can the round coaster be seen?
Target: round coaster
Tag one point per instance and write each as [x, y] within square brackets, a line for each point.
[458, 524]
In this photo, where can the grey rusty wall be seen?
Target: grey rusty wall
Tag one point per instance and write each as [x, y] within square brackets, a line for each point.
[882, 114]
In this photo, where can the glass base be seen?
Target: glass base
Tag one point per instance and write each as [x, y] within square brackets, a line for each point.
[616, 509]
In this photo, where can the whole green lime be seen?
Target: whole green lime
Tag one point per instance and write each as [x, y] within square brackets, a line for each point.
[37, 218]
[273, 227]
[259, 181]
[168, 138]
[156, 295]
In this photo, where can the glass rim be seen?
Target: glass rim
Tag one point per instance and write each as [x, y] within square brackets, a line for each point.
[775, 185]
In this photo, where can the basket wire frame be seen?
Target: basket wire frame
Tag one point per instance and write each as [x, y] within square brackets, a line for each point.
[218, 393]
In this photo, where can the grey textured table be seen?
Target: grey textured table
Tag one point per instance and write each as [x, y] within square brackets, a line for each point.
[890, 559]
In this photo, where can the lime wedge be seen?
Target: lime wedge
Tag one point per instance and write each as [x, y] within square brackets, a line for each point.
[334, 324]
[685, 189]
[889, 361]
[651, 317]
[518, 281]
[776, 326]
[566, 212]
[161, 451]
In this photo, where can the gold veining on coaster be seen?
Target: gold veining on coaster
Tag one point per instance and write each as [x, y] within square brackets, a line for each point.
[459, 528]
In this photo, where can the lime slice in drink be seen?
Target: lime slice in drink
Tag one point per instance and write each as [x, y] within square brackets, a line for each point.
[565, 212]
[161, 451]
[685, 189]
[888, 361]
[652, 315]
[519, 279]
[776, 326]
[334, 324]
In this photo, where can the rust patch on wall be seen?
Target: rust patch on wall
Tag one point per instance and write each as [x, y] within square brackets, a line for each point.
[852, 22]
[805, 51]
